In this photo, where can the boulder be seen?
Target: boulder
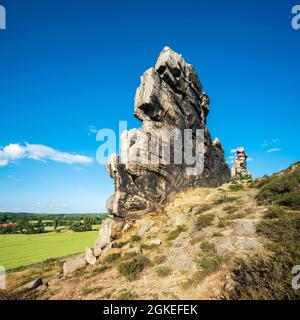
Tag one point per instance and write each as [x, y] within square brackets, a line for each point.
[90, 257]
[73, 265]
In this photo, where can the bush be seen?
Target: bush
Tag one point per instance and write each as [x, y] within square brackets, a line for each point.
[204, 221]
[119, 244]
[290, 200]
[136, 238]
[163, 272]
[270, 277]
[126, 295]
[202, 208]
[207, 247]
[112, 257]
[175, 233]
[274, 212]
[236, 187]
[132, 268]
[230, 209]
[281, 189]
[224, 199]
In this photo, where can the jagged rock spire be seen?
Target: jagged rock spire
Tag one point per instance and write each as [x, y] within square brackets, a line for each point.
[239, 168]
[170, 96]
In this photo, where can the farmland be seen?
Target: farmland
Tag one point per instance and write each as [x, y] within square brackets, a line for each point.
[18, 250]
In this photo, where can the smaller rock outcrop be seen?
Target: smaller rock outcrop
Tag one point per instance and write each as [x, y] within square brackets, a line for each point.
[239, 168]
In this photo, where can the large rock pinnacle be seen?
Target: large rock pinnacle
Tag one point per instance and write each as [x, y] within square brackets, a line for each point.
[170, 99]
[239, 168]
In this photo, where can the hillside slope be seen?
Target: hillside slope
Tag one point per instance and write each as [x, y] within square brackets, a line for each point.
[209, 243]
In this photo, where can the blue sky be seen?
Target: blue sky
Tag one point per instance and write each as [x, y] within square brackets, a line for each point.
[68, 65]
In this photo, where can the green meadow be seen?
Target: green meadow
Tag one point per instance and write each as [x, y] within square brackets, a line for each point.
[18, 250]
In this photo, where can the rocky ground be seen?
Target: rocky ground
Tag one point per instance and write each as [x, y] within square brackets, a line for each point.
[186, 252]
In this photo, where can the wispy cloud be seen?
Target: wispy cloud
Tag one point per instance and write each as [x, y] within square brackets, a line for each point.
[270, 143]
[14, 152]
[274, 150]
[92, 130]
[233, 150]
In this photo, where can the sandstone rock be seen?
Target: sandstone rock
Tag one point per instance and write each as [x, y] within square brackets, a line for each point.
[169, 99]
[224, 246]
[239, 168]
[73, 265]
[244, 228]
[136, 249]
[155, 242]
[248, 244]
[97, 251]
[90, 257]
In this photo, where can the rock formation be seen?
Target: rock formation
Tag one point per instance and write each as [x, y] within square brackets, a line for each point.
[169, 99]
[239, 168]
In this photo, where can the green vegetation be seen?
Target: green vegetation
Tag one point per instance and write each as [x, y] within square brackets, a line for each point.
[208, 263]
[20, 250]
[175, 233]
[204, 221]
[236, 187]
[135, 238]
[126, 295]
[29, 223]
[230, 209]
[282, 189]
[112, 257]
[159, 259]
[119, 244]
[152, 246]
[274, 212]
[202, 208]
[133, 267]
[270, 277]
[225, 199]
[163, 272]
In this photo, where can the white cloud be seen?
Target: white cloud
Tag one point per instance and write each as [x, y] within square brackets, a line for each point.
[266, 143]
[231, 157]
[233, 150]
[14, 152]
[250, 159]
[92, 130]
[273, 150]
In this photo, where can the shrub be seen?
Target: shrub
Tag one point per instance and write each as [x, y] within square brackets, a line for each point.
[112, 257]
[204, 221]
[163, 272]
[132, 268]
[202, 208]
[136, 238]
[126, 295]
[224, 199]
[270, 277]
[282, 189]
[274, 212]
[236, 187]
[145, 246]
[207, 246]
[119, 244]
[230, 209]
[159, 259]
[291, 200]
[175, 233]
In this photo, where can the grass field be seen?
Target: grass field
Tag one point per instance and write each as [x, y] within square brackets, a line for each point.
[18, 250]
